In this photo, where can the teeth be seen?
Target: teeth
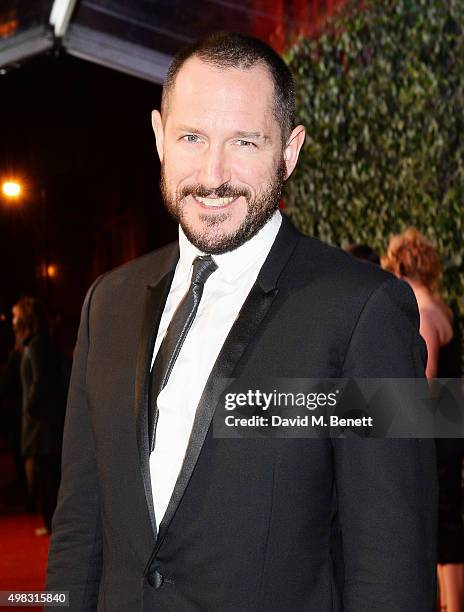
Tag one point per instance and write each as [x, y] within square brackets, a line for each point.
[214, 201]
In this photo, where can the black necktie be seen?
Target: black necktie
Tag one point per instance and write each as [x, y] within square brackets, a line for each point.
[176, 333]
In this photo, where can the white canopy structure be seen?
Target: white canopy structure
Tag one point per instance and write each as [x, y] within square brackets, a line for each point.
[140, 37]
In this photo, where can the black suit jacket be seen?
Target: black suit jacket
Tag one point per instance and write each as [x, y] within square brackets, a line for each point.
[253, 524]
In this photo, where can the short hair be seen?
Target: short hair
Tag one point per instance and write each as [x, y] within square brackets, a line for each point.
[226, 50]
[363, 252]
[412, 255]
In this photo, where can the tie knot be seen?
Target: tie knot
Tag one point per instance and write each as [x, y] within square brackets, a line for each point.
[203, 267]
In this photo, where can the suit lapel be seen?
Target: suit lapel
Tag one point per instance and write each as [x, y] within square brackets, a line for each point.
[251, 315]
[155, 299]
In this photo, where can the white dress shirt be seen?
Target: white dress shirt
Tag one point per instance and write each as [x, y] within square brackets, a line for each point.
[224, 294]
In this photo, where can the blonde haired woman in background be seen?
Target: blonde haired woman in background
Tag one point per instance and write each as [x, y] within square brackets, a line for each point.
[413, 258]
[43, 404]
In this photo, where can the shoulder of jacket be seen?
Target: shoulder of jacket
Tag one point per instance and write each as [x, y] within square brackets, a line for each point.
[315, 260]
[140, 271]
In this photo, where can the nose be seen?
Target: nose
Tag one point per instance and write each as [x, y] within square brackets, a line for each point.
[213, 170]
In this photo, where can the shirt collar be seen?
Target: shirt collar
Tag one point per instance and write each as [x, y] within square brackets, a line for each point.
[233, 263]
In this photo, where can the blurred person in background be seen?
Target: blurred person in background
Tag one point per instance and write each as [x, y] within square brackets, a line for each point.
[363, 252]
[11, 398]
[412, 257]
[43, 404]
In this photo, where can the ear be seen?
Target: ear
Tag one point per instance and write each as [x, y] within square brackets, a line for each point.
[158, 128]
[292, 150]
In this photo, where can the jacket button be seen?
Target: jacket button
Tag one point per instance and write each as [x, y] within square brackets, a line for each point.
[155, 579]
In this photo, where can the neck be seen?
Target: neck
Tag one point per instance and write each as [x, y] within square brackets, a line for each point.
[417, 285]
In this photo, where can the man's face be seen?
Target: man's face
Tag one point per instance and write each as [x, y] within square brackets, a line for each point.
[223, 163]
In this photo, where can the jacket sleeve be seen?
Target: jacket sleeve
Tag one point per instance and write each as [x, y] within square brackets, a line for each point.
[75, 555]
[387, 488]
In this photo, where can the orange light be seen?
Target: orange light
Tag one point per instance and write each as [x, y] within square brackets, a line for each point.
[8, 25]
[52, 271]
[11, 189]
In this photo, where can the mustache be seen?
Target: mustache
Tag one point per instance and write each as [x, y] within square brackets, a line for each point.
[223, 191]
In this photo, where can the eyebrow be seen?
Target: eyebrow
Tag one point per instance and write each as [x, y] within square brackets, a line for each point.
[251, 135]
[238, 134]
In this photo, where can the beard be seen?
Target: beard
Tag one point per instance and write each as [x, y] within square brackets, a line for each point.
[212, 238]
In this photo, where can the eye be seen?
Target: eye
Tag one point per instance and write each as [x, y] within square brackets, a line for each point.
[191, 138]
[246, 143]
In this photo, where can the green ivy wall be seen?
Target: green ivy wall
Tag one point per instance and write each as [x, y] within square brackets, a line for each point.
[381, 94]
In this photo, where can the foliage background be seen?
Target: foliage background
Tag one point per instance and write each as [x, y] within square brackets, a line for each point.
[381, 94]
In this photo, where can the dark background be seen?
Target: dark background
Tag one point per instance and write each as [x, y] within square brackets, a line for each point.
[79, 138]
[78, 135]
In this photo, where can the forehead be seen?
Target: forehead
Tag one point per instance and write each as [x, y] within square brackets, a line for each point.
[204, 92]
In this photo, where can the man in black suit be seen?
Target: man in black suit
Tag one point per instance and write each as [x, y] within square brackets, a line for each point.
[156, 512]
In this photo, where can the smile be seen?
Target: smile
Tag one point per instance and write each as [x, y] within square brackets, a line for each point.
[214, 202]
